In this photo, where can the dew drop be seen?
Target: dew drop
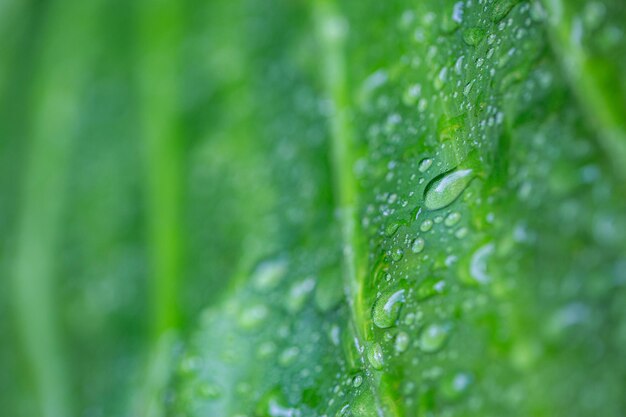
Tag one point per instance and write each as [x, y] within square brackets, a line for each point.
[434, 336]
[397, 254]
[473, 36]
[478, 263]
[386, 308]
[391, 229]
[252, 316]
[443, 190]
[375, 356]
[402, 342]
[424, 164]
[269, 273]
[288, 356]
[426, 225]
[501, 9]
[452, 218]
[418, 245]
[357, 381]
[430, 287]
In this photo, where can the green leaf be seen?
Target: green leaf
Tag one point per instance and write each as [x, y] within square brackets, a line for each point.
[313, 208]
[460, 162]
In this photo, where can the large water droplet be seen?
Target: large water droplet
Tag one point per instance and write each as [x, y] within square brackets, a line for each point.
[434, 336]
[386, 308]
[443, 190]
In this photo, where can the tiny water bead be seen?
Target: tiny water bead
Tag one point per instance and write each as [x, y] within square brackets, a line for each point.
[430, 287]
[455, 385]
[444, 190]
[357, 381]
[387, 308]
[452, 219]
[473, 36]
[426, 225]
[391, 229]
[478, 264]
[252, 316]
[397, 254]
[434, 336]
[402, 342]
[269, 273]
[375, 356]
[418, 245]
[424, 164]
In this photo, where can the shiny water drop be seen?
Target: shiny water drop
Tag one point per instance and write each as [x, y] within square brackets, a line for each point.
[424, 164]
[455, 385]
[418, 245]
[288, 356]
[452, 218]
[434, 336]
[402, 342]
[269, 273]
[426, 225]
[430, 287]
[443, 190]
[478, 264]
[357, 381]
[386, 308]
[298, 294]
[473, 36]
[391, 229]
[375, 356]
[501, 9]
[461, 233]
[252, 316]
[397, 254]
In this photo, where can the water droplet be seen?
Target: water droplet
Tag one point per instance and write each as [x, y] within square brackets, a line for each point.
[418, 245]
[434, 336]
[430, 287]
[424, 164]
[269, 273]
[209, 391]
[473, 36]
[288, 356]
[501, 9]
[448, 128]
[375, 356]
[402, 342]
[357, 381]
[411, 94]
[426, 225]
[455, 385]
[397, 254]
[461, 233]
[391, 229]
[452, 218]
[252, 316]
[443, 190]
[478, 264]
[298, 294]
[386, 308]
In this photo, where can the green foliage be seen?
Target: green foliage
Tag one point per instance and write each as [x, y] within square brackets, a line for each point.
[314, 208]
